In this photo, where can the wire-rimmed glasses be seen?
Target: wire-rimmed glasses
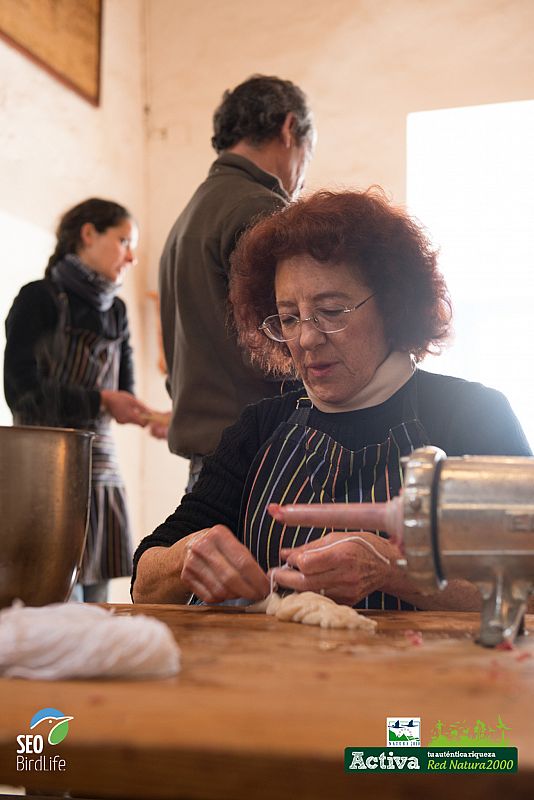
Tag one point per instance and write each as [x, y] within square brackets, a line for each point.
[285, 327]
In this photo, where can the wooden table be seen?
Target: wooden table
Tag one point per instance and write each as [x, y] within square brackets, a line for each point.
[264, 709]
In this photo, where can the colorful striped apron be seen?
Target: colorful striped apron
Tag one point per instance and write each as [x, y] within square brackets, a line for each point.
[299, 464]
[93, 362]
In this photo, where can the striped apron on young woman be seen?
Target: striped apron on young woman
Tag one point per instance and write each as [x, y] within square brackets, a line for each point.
[92, 361]
[299, 464]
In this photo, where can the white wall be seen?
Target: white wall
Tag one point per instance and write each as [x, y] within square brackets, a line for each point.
[365, 65]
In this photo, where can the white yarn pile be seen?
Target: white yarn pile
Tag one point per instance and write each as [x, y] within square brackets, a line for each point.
[310, 608]
[75, 640]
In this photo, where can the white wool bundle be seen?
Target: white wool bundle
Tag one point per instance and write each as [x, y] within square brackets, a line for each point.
[75, 640]
[311, 608]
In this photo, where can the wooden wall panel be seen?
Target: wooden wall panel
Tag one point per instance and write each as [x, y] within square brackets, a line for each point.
[63, 36]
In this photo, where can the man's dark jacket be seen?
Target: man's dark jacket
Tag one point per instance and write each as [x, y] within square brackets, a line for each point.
[210, 377]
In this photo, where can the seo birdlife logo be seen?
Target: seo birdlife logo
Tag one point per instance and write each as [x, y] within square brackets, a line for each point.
[57, 723]
[52, 727]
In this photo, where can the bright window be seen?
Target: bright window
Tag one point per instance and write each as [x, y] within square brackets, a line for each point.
[471, 182]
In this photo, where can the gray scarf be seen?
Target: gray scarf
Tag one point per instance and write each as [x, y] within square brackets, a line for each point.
[72, 274]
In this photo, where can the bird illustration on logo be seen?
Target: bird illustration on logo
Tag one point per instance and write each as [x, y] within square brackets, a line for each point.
[58, 721]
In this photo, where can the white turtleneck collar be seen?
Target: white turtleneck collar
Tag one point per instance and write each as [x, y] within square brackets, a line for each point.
[390, 376]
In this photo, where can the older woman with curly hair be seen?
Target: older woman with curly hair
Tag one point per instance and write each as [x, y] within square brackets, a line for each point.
[341, 290]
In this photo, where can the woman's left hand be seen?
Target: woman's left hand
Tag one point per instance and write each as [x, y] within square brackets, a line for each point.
[346, 572]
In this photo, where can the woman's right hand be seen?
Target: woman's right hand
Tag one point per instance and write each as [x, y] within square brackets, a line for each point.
[217, 567]
[124, 407]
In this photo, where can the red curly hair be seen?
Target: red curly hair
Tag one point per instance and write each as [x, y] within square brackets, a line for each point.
[382, 245]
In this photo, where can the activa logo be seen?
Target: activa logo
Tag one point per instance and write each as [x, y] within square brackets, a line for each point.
[55, 727]
[382, 761]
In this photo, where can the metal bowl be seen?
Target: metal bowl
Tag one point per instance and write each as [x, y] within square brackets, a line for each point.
[45, 480]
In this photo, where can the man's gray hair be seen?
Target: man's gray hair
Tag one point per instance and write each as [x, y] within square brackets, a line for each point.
[255, 111]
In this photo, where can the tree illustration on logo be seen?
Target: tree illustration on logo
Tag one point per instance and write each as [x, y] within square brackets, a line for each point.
[436, 730]
[502, 727]
[479, 729]
[459, 734]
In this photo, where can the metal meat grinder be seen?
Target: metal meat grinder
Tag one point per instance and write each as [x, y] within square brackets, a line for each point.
[466, 518]
[473, 518]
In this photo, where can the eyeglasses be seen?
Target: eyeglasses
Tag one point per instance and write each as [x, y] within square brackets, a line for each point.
[285, 327]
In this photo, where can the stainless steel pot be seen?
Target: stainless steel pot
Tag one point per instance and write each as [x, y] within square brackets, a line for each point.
[45, 479]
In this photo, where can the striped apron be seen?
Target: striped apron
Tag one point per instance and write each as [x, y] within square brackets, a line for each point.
[93, 362]
[299, 464]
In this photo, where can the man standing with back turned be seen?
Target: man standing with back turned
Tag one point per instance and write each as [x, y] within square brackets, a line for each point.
[264, 137]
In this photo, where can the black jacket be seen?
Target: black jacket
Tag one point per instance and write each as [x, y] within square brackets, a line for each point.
[30, 327]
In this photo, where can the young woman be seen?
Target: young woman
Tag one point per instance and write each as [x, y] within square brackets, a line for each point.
[68, 363]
